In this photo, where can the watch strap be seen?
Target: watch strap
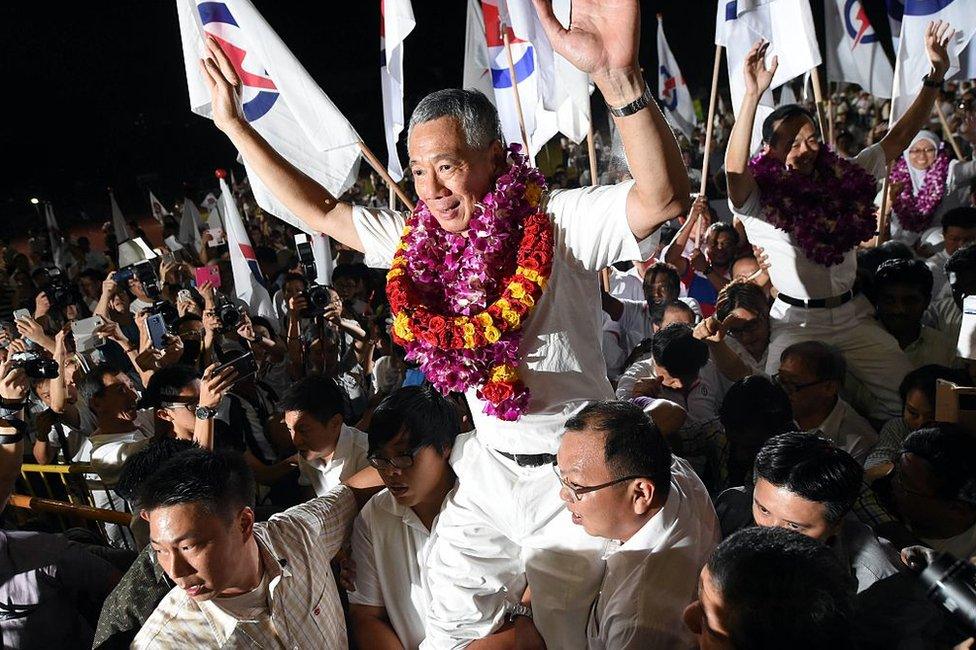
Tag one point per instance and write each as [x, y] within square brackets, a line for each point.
[638, 104]
[932, 83]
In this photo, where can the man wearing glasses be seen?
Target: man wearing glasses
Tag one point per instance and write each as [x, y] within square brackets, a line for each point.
[620, 482]
[812, 373]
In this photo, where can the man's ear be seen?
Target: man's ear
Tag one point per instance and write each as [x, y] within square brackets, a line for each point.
[164, 415]
[144, 514]
[644, 492]
[245, 522]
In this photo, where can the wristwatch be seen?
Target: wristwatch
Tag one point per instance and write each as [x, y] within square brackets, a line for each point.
[638, 104]
[518, 609]
[931, 83]
[205, 412]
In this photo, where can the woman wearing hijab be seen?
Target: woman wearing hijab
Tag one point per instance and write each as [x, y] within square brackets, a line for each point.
[924, 184]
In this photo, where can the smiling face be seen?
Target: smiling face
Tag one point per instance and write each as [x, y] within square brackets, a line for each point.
[796, 143]
[200, 551]
[449, 176]
[922, 154]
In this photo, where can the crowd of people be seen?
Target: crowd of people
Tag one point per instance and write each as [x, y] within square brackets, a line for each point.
[613, 415]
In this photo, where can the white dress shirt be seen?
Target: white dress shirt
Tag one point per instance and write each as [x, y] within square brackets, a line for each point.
[790, 270]
[931, 346]
[389, 547]
[652, 577]
[348, 458]
[848, 430]
[560, 358]
[944, 315]
[626, 284]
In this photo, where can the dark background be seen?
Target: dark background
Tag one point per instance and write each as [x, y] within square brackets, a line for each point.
[95, 92]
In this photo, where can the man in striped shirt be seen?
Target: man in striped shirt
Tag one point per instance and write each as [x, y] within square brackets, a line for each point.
[241, 583]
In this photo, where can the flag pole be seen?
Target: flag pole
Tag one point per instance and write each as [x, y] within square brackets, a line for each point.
[375, 163]
[818, 99]
[518, 103]
[830, 116]
[392, 199]
[947, 131]
[591, 152]
[883, 215]
[709, 126]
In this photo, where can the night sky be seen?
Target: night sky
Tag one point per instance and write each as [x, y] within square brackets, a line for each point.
[96, 91]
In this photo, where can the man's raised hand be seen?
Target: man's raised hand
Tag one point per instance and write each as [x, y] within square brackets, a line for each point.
[603, 35]
[757, 75]
[938, 34]
[225, 87]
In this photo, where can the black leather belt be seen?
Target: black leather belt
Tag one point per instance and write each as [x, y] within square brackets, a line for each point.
[818, 303]
[530, 460]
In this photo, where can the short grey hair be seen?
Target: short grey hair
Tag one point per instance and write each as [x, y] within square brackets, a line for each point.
[477, 115]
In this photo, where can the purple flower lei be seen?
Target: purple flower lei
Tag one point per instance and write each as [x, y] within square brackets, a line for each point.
[915, 211]
[827, 213]
[458, 274]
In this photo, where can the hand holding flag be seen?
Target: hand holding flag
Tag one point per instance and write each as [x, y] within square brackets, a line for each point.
[225, 88]
[938, 35]
[759, 77]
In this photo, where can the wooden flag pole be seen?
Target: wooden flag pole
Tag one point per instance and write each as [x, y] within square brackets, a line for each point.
[709, 127]
[375, 163]
[818, 98]
[518, 103]
[830, 117]
[392, 199]
[883, 214]
[591, 152]
[948, 132]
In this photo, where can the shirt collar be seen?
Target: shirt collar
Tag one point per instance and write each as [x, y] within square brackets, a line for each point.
[409, 517]
[653, 529]
[830, 427]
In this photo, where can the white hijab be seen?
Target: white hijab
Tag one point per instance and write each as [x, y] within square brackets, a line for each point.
[918, 175]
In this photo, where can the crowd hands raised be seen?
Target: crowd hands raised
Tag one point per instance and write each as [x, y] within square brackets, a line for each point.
[758, 462]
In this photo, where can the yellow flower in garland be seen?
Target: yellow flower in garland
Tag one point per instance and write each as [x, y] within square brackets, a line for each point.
[532, 194]
[504, 372]
[492, 334]
[516, 290]
[401, 326]
[483, 319]
[511, 317]
[469, 340]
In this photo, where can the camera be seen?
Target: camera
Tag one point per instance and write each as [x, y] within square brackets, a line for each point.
[58, 290]
[227, 313]
[317, 296]
[35, 365]
[948, 582]
[142, 271]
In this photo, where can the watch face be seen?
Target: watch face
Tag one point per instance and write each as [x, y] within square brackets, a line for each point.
[204, 413]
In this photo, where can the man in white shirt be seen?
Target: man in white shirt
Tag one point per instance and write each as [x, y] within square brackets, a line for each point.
[816, 302]
[958, 231]
[329, 451]
[621, 483]
[501, 527]
[411, 435]
[812, 374]
[945, 313]
[239, 582]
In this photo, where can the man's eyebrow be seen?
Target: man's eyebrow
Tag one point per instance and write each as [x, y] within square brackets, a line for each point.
[440, 156]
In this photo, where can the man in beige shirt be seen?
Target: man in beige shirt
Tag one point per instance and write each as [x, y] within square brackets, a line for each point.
[239, 582]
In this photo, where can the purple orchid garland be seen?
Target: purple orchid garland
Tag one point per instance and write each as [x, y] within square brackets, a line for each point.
[826, 213]
[915, 211]
[457, 274]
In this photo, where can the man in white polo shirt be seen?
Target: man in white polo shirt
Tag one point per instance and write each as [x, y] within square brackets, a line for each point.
[411, 435]
[503, 526]
[816, 301]
[329, 451]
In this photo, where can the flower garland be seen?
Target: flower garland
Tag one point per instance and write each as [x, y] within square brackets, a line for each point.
[828, 212]
[915, 211]
[439, 283]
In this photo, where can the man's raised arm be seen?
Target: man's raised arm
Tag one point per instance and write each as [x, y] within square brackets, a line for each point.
[603, 41]
[311, 202]
[740, 180]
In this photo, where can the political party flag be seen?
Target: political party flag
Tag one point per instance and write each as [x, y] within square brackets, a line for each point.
[118, 221]
[396, 21]
[787, 94]
[786, 24]
[671, 87]
[248, 281]
[280, 99]
[58, 245]
[913, 62]
[895, 9]
[854, 53]
[190, 226]
[158, 209]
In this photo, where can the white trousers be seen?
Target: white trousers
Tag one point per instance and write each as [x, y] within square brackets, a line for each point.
[873, 355]
[506, 524]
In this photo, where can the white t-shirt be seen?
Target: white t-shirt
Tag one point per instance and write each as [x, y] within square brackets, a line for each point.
[389, 547]
[790, 270]
[348, 458]
[109, 451]
[847, 429]
[561, 358]
[653, 576]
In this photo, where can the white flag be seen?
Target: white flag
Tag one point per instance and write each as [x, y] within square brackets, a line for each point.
[159, 210]
[786, 94]
[787, 25]
[58, 245]
[190, 226]
[247, 273]
[671, 87]
[854, 53]
[281, 100]
[118, 221]
[396, 21]
[913, 62]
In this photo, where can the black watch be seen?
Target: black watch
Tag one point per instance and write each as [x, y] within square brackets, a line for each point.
[932, 83]
[205, 413]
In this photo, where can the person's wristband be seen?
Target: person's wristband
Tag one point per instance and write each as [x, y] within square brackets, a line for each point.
[12, 431]
[12, 409]
[929, 82]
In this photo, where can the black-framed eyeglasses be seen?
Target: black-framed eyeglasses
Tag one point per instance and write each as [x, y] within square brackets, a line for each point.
[578, 491]
[791, 387]
[400, 461]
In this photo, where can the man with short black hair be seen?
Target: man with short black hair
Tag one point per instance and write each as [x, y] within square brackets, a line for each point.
[945, 313]
[812, 373]
[754, 410]
[621, 482]
[773, 588]
[329, 451]
[239, 582]
[958, 231]
[411, 435]
[902, 293]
